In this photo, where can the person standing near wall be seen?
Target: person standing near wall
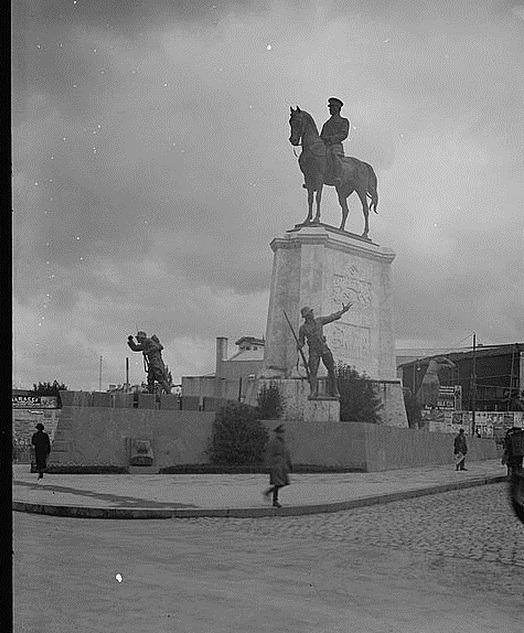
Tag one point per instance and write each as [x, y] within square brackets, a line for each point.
[513, 450]
[460, 450]
[278, 460]
[42, 444]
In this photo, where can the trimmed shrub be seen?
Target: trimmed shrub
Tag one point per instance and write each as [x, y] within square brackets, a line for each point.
[270, 403]
[358, 399]
[238, 435]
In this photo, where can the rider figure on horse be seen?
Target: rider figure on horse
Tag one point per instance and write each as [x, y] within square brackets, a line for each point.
[334, 131]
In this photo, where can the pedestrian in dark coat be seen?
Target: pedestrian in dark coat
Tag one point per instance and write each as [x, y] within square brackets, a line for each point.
[460, 449]
[513, 458]
[278, 460]
[42, 444]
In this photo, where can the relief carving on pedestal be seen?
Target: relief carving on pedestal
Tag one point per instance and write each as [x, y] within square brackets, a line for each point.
[349, 287]
[350, 341]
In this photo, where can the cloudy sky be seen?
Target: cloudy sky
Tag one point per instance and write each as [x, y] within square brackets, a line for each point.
[152, 167]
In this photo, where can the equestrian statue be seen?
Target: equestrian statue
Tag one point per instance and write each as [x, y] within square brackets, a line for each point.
[322, 162]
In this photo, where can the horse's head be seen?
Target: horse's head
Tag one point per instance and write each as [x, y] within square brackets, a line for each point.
[296, 123]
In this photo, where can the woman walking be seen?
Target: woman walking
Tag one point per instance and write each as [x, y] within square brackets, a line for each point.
[278, 460]
[42, 444]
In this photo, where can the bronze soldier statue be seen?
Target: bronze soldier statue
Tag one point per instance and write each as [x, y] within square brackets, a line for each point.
[334, 131]
[311, 330]
[151, 349]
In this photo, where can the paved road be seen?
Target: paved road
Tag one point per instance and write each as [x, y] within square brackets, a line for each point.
[465, 524]
[450, 562]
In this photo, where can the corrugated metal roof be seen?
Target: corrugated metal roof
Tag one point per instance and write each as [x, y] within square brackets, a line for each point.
[481, 351]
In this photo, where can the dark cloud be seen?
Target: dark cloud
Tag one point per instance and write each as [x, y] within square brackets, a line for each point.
[152, 165]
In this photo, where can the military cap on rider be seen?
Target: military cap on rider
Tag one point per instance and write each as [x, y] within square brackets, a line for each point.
[336, 102]
[306, 310]
[140, 333]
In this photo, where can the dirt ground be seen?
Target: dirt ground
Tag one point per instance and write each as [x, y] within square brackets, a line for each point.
[189, 576]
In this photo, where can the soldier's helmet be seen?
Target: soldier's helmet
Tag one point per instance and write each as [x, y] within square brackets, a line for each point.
[306, 310]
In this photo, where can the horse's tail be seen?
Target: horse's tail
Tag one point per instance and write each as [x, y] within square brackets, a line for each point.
[372, 188]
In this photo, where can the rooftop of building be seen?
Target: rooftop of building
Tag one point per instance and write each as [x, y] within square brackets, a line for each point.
[481, 351]
[247, 355]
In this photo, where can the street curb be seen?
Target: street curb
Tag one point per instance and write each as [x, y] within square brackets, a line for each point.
[84, 512]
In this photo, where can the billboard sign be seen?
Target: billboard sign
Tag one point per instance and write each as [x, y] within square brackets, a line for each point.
[34, 402]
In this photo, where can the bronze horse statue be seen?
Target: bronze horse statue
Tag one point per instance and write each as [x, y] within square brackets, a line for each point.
[356, 175]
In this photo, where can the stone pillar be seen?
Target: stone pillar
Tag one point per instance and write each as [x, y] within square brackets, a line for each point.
[323, 267]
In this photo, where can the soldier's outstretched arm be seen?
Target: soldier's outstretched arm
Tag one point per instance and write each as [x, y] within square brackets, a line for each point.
[336, 315]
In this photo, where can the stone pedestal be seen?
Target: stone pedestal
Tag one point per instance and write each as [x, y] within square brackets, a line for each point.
[322, 410]
[323, 267]
[298, 406]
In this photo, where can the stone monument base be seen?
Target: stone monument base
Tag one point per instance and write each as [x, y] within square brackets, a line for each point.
[322, 410]
[298, 405]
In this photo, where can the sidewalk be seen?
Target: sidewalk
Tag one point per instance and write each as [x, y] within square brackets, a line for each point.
[183, 496]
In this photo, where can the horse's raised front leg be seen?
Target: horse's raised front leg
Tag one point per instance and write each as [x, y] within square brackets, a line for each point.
[365, 211]
[319, 198]
[342, 200]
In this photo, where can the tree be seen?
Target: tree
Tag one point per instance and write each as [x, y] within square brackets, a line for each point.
[270, 403]
[358, 399]
[50, 389]
[238, 437]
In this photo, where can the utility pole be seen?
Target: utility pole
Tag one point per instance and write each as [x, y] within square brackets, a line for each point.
[127, 372]
[473, 385]
[100, 376]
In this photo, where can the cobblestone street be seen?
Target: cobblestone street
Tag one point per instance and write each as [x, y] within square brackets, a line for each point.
[448, 562]
[475, 523]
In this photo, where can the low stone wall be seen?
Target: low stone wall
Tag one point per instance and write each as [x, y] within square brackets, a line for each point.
[373, 447]
[99, 438]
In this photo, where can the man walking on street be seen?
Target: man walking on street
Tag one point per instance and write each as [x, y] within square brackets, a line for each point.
[460, 450]
[42, 444]
[278, 460]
